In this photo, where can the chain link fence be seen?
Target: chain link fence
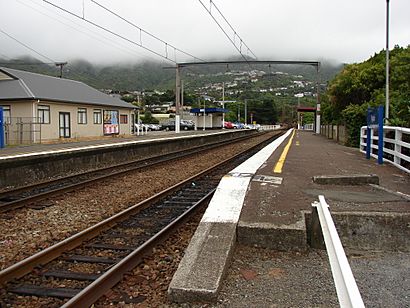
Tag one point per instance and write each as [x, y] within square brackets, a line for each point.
[22, 130]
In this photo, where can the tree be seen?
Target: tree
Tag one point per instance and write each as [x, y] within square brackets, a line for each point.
[361, 85]
[148, 118]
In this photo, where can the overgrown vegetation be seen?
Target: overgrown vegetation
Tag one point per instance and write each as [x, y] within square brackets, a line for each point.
[362, 85]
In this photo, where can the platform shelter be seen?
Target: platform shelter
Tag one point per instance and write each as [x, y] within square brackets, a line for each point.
[208, 118]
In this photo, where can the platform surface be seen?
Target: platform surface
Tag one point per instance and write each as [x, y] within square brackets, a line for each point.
[273, 218]
[275, 199]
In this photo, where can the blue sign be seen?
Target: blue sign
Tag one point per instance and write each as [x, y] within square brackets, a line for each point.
[375, 121]
[372, 117]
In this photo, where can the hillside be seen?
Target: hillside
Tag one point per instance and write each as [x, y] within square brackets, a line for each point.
[152, 75]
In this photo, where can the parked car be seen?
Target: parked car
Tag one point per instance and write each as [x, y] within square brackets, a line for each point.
[238, 125]
[154, 127]
[249, 126]
[184, 125]
[228, 125]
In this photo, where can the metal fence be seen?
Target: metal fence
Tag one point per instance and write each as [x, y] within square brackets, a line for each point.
[308, 127]
[22, 130]
[269, 127]
[396, 145]
[335, 132]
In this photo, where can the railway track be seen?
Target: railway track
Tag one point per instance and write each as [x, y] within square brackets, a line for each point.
[82, 268]
[29, 195]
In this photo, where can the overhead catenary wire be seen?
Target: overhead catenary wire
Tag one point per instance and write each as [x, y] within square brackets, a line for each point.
[146, 32]
[224, 31]
[33, 50]
[28, 47]
[109, 31]
[93, 34]
[234, 31]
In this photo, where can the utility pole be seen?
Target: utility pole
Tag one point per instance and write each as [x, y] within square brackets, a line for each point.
[204, 114]
[298, 111]
[177, 98]
[387, 63]
[223, 105]
[246, 111]
[61, 65]
[182, 96]
[318, 100]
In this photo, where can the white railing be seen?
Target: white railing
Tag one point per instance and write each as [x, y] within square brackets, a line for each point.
[346, 287]
[269, 127]
[308, 126]
[395, 151]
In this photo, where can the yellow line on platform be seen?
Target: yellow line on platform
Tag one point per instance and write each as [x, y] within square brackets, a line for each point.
[282, 158]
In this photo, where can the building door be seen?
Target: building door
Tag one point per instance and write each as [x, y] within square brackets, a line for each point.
[64, 125]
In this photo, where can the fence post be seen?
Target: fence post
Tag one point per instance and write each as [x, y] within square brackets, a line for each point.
[380, 113]
[368, 142]
[2, 143]
[397, 147]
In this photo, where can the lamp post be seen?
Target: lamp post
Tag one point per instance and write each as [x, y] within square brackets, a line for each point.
[387, 62]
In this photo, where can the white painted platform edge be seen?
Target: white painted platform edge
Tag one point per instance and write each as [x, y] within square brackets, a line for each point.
[226, 204]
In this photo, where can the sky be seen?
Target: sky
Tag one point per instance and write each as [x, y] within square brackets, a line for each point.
[345, 31]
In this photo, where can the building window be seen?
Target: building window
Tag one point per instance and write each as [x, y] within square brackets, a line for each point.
[82, 116]
[97, 116]
[124, 119]
[43, 114]
[6, 114]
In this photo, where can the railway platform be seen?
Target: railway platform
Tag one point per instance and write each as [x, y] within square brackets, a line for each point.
[255, 246]
[49, 148]
[29, 164]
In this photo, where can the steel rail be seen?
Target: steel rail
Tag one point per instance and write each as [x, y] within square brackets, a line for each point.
[59, 190]
[346, 287]
[27, 265]
[110, 278]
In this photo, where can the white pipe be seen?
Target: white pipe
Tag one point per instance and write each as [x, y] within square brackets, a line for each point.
[346, 287]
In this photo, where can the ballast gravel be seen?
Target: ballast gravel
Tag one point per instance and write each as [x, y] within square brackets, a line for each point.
[26, 231]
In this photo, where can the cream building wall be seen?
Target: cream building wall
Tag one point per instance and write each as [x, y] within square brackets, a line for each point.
[50, 131]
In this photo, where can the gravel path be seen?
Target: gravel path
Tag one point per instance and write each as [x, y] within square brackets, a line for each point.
[26, 231]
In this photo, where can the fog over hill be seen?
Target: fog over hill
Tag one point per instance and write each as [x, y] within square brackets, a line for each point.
[154, 75]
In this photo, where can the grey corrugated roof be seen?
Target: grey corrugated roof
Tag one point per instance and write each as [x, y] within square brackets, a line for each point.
[26, 85]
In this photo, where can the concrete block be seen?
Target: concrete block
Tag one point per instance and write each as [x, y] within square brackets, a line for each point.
[285, 237]
[200, 273]
[350, 179]
[377, 231]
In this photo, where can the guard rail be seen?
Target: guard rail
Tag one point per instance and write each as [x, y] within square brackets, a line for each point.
[395, 150]
[346, 287]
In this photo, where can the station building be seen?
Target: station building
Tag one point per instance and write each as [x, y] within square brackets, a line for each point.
[39, 108]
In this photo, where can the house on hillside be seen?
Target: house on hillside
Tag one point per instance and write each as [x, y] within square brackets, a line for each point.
[39, 108]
